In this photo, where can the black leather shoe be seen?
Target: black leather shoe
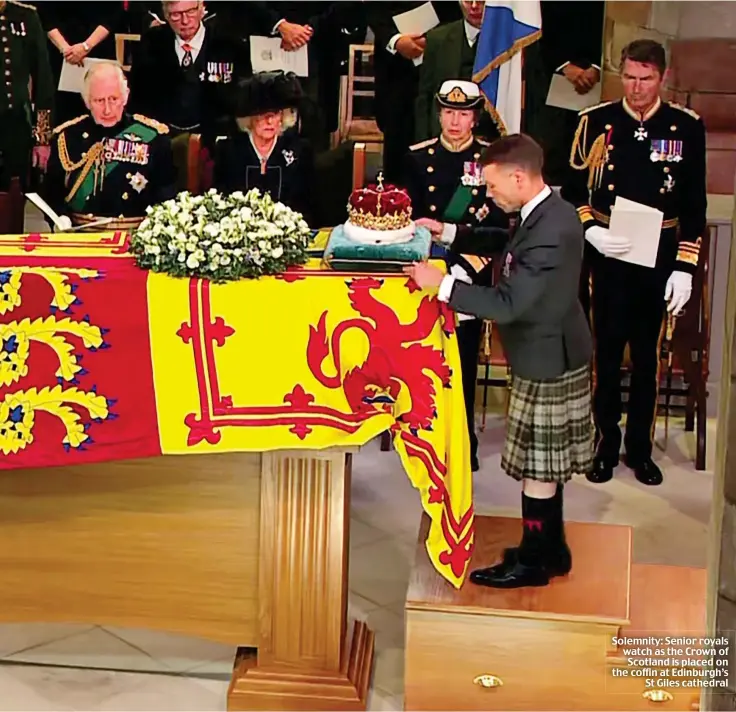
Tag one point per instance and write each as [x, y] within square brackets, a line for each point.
[474, 463]
[602, 471]
[557, 564]
[646, 472]
[510, 575]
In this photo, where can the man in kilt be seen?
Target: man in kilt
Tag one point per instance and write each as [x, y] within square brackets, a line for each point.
[547, 342]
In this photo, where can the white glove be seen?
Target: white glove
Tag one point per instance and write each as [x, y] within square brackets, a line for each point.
[607, 244]
[678, 290]
[65, 223]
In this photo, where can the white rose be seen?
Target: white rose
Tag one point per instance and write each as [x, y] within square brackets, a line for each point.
[276, 253]
[192, 261]
[181, 257]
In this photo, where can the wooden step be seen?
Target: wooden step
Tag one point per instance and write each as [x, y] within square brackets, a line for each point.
[666, 601]
[524, 649]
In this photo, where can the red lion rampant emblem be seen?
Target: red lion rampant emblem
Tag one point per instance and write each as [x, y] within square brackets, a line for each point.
[396, 359]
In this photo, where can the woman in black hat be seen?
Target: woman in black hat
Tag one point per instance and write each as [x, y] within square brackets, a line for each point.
[266, 151]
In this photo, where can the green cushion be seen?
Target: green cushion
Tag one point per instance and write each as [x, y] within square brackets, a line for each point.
[340, 248]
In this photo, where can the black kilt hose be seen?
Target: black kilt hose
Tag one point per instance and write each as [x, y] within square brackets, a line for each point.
[549, 428]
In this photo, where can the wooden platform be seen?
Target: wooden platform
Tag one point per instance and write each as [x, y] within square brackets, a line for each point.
[549, 648]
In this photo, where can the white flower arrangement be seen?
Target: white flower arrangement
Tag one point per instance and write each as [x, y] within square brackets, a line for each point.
[221, 237]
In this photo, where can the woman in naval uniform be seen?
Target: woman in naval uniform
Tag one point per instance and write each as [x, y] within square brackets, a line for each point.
[265, 151]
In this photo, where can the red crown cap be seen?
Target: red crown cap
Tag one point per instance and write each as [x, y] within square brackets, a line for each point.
[380, 207]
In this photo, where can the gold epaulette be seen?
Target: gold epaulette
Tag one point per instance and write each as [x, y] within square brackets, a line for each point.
[69, 123]
[22, 4]
[690, 112]
[152, 123]
[423, 144]
[593, 108]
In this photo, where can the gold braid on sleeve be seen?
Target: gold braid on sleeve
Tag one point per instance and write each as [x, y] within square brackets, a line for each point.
[42, 129]
[596, 158]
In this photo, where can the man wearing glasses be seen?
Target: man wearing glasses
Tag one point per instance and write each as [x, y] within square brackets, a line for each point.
[183, 73]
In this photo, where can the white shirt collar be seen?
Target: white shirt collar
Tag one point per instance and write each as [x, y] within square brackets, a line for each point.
[542, 195]
[471, 33]
[195, 43]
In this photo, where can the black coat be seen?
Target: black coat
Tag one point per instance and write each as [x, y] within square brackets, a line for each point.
[396, 77]
[157, 80]
[289, 175]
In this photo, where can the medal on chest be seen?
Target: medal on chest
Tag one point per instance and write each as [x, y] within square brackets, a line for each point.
[665, 151]
[641, 133]
[18, 29]
[218, 73]
[126, 151]
[472, 174]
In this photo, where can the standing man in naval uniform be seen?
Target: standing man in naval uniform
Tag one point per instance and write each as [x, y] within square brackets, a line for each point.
[445, 181]
[183, 74]
[652, 152]
[25, 113]
[107, 163]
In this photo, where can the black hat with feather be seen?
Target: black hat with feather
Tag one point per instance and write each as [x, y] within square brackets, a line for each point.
[267, 92]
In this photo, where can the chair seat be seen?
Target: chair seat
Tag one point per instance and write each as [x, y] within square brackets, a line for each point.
[365, 130]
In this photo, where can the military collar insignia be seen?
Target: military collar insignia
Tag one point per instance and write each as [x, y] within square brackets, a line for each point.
[456, 147]
[651, 111]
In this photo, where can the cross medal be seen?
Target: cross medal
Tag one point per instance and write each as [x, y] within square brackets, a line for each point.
[640, 134]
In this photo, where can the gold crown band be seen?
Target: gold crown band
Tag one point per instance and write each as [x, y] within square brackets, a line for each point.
[380, 222]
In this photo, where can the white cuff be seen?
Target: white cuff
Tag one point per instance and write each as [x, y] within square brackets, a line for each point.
[446, 285]
[561, 67]
[391, 46]
[595, 66]
[275, 29]
[449, 231]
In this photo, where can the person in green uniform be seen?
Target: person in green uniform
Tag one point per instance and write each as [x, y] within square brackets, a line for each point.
[25, 115]
[108, 164]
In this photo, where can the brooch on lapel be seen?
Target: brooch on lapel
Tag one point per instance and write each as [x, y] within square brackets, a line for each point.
[482, 212]
[288, 156]
[18, 31]
[507, 264]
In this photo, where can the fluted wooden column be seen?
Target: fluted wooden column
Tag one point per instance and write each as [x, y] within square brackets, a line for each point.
[304, 659]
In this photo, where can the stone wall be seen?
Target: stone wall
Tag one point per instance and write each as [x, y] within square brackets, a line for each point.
[722, 547]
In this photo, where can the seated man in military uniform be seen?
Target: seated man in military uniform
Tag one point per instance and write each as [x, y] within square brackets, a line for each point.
[265, 151]
[108, 164]
[445, 182]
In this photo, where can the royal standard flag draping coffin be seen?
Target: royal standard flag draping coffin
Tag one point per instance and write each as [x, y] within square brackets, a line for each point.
[508, 27]
[100, 361]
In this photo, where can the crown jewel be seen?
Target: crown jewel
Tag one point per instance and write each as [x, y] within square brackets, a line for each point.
[380, 207]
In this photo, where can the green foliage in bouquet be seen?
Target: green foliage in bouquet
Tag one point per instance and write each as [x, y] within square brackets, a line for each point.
[221, 237]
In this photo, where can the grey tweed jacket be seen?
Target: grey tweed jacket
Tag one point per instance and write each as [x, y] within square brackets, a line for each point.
[535, 304]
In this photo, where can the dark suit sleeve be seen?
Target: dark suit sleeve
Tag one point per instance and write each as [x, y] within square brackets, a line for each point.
[481, 241]
[141, 78]
[512, 298]
[424, 103]
[693, 206]
[573, 32]
[380, 18]
[163, 171]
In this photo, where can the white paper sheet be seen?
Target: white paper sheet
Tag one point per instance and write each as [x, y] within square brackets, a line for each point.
[418, 21]
[562, 94]
[641, 225]
[72, 75]
[266, 55]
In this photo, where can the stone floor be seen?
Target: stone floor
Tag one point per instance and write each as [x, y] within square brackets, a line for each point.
[65, 667]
